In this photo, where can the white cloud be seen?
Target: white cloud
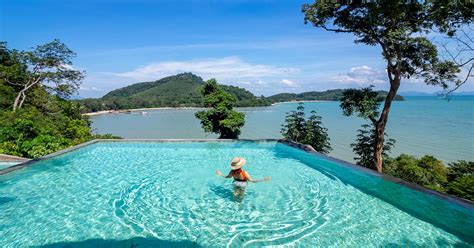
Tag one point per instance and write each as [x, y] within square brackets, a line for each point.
[228, 68]
[362, 75]
[86, 88]
[288, 82]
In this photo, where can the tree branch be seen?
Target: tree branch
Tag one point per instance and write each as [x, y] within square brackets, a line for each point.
[449, 92]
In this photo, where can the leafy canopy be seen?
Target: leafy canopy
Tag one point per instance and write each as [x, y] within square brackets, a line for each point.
[364, 102]
[461, 179]
[45, 122]
[364, 146]
[426, 171]
[220, 118]
[48, 66]
[304, 130]
[399, 27]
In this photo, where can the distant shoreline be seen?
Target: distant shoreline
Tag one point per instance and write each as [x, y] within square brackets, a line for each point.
[123, 111]
[303, 101]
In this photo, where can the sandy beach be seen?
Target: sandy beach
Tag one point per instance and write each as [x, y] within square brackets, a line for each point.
[121, 111]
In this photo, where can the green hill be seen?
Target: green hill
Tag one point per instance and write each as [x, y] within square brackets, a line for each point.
[182, 90]
[328, 95]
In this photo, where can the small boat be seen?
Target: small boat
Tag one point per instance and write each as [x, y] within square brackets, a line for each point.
[144, 112]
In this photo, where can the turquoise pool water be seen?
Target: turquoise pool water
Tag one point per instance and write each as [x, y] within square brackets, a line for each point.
[166, 194]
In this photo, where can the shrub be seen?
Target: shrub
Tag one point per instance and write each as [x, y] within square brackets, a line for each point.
[304, 130]
[364, 147]
[221, 118]
[426, 171]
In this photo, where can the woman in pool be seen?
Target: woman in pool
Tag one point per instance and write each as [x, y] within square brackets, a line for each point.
[240, 176]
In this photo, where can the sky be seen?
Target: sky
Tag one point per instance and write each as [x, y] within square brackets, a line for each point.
[261, 45]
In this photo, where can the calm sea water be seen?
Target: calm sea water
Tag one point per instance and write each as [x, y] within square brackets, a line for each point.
[421, 125]
[148, 194]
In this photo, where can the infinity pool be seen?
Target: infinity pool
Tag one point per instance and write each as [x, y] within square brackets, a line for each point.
[166, 194]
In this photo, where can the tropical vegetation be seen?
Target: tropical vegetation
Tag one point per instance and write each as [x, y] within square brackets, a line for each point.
[35, 116]
[364, 146]
[456, 179]
[328, 95]
[220, 118]
[182, 90]
[306, 130]
[399, 28]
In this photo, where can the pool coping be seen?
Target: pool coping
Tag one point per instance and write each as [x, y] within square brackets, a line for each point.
[306, 148]
[11, 158]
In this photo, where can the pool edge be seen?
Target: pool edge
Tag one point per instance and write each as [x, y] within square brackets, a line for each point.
[45, 157]
[443, 196]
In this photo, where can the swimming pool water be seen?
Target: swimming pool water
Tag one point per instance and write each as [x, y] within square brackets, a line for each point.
[166, 194]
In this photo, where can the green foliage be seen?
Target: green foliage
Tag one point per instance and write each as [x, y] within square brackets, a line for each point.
[365, 102]
[456, 179]
[462, 187]
[461, 179]
[182, 90]
[427, 171]
[459, 169]
[48, 67]
[328, 95]
[106, 136]
[399, 28]
[220, 118]
[304, 130]
[46, 122]
[364, 146]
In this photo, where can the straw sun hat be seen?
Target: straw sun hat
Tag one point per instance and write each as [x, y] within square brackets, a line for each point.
[237, 163]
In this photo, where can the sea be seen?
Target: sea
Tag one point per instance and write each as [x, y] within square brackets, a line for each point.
[421, 125]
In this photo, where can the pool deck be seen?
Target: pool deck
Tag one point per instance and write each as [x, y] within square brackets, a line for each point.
[449, 198]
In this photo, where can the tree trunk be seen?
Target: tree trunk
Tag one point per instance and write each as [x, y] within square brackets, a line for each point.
[23, 97]
[382, 122]
[379, 138]
[17, 101]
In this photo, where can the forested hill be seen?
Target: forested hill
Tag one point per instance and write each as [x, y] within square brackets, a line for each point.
[328, 95]
[183, 90]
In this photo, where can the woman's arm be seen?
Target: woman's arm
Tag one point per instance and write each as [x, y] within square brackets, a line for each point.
[219, 173]
[256, 181]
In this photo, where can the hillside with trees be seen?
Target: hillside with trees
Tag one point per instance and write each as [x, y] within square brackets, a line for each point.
[35, 116]
[328, 95]
[183, 90]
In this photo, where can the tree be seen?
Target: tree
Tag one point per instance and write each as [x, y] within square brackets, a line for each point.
[461, 179]
[459, 48]
[365, 145]
[48, 66]
[220, 118]
[399, 28]
[304, 130]
[365, 103]
[426, 171]
[44, 122]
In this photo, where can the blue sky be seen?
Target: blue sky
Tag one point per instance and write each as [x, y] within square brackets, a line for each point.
[261, 45]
